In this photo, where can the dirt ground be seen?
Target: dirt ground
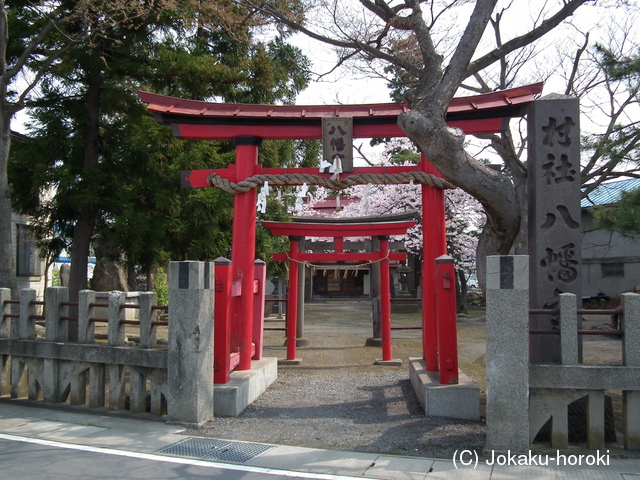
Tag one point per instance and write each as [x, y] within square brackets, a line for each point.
[338, 399]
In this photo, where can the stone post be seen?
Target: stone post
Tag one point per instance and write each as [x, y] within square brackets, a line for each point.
[6, 324]
[190, 354]
[554, 214]
[86, 328]
[116, 332]
[568, 329]
[27, 325]
[56, 331]
[508, 353]
[631, 358]
[148, 333]
[5, 332]
[116, 336]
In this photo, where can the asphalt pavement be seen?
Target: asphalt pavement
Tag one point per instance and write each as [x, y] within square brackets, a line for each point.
[38, 443]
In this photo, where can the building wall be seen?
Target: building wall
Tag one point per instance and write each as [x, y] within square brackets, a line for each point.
[36, 282]
[610, 262]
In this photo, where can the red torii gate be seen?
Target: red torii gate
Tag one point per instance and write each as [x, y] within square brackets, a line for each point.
[249, 125]
[339, 231]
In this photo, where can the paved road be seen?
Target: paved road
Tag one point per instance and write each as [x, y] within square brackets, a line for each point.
[25, 458]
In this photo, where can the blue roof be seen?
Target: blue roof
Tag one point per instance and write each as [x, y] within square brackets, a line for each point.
[607, 193]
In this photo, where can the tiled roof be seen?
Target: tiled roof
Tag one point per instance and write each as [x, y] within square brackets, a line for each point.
[607, 193]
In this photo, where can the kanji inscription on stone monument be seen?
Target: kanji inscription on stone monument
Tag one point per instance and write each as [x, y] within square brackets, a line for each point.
[554, 214]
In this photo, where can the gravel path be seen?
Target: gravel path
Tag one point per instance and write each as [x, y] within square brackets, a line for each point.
[336, 399]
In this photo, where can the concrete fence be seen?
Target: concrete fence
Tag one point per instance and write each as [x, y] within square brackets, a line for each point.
[522, 397]
[173, 378]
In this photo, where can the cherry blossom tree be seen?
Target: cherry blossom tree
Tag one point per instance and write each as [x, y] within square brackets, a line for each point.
[463, 213]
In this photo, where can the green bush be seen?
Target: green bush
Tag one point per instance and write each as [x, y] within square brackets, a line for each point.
[162, 287]
[56, 281]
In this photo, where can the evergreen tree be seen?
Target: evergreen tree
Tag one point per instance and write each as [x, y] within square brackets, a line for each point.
[619, 147]
[115, 171]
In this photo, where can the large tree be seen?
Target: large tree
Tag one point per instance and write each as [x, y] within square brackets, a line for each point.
[33, 38]
[116, 172]
[418, 42]
[621, 142]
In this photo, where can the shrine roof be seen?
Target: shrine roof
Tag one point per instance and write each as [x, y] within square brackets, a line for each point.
[200, 120]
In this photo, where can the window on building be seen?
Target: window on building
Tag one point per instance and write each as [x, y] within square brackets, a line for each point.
[613, 270]
[28, 263]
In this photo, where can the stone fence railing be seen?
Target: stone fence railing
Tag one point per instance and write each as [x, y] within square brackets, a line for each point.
[173, 379]
[522, 397]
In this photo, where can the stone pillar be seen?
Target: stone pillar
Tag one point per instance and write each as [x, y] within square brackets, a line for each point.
[116, 329]
[569, 351]
[148, 333]
[507, 353]
[631, 358]
[5, 332]
[27, 325]
[56, 331]
[86, 328]
[554, 214]
[5, 323]
[190, 354]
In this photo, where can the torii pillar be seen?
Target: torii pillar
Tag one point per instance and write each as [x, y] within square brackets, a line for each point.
[243, 249]
[434, 244]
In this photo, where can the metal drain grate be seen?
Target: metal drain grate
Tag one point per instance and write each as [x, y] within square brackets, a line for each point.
[209, 449]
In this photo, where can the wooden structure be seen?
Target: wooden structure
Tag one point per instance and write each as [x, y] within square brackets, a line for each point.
[248, 125]
[339, 231]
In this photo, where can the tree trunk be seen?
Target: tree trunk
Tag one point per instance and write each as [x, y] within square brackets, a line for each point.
[7, 264]
[461, 292]
[83, 230]
[443, 146]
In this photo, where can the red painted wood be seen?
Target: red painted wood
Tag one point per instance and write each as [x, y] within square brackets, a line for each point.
[433, 245]
[243, 255]
[189, 131]
[260, 272]
[221, 326]
[292, 304]
[340, 257]
[446, 311]
[385, 301]
[161, 104]
[338, 229]
[262, 120]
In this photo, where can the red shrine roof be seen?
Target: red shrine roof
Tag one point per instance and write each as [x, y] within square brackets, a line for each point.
[199, 120]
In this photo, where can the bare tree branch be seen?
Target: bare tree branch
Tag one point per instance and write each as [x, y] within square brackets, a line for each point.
[576, 62]
[455, 73]
[545, 27]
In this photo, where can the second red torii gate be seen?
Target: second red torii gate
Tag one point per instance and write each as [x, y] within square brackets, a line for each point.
[249, 125]
[339, 231]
